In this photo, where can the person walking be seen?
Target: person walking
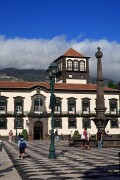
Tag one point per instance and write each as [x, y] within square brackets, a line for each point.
[99, 138]
[85, 139]
[56, 136]
[22, 144]
[10, 134]
[88, 136]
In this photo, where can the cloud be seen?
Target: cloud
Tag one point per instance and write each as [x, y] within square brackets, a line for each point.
[39, 53]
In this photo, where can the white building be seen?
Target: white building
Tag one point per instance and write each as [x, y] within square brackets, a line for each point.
[75, 102]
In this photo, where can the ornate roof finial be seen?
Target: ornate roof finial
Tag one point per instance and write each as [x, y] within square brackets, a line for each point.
[99, 53]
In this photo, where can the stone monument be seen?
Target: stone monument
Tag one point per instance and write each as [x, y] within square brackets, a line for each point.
[100, 120]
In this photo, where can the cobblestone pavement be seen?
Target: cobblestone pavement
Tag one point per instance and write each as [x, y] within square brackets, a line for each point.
[71, 163]
[7, 169]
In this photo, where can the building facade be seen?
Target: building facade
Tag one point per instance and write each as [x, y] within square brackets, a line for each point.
[25, 105]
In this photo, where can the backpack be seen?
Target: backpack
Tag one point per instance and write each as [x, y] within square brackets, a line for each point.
[22, 144]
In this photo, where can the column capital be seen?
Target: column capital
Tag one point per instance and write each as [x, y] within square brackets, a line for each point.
[99, 53]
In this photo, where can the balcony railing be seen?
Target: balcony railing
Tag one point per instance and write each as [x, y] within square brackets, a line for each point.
[57, 113]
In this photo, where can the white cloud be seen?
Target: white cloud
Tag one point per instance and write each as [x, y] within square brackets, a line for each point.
[39, 53]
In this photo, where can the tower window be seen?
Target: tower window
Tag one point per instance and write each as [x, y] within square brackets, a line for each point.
[82, 65]
[75, 65]
[69, 65]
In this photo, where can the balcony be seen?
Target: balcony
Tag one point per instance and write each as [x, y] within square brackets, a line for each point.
[3, 113]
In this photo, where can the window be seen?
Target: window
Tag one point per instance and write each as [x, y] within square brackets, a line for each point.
[113, 106]
[3, 105]
[72, 123]
[85, 106]
[69, 65]
[18, 105]
[75, 65]
[82, 65]
[114, 123]
[58, 106]
[18, 122]
[60, 67]
[3, 123]
[71, 106]
[38, 105]
[58, 123]
[86, 123]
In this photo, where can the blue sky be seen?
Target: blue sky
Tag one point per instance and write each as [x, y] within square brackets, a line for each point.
[93, 19]
[35, 32]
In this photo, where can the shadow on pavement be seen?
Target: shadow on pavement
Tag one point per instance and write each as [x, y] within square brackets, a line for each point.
[109, 172]
[3, 171]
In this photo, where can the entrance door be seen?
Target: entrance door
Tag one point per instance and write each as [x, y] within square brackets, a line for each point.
[38, 130]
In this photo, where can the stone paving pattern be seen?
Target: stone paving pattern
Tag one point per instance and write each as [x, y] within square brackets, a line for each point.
[7, 169]
[72, 163]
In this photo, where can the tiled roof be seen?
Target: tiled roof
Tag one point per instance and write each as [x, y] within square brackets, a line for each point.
[58, 86]
[72, 52]
[21, 84]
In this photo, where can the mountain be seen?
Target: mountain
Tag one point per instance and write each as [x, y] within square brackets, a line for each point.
[36, 75]
[33, 75]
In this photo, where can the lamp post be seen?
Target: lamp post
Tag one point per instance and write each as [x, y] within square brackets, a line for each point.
[52, 71]
[16, 123]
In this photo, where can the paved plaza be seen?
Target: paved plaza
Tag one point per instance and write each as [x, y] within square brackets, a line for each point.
[72, 163]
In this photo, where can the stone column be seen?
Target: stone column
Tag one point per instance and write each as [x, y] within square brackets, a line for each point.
[100, 119]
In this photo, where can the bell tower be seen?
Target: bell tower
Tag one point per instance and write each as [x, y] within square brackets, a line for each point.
[73, 68]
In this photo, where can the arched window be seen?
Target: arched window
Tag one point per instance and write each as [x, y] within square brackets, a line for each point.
[85, 106]
[18, 105]
[3, 104]
[82, 65]
[75, 65]
[69, 65]
[38, 105]
[113, 106]
[71, 105]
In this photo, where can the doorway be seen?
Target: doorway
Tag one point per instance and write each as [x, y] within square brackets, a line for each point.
[38, 130]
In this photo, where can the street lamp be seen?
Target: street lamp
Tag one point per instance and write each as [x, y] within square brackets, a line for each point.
[16, 123]
[52, 71]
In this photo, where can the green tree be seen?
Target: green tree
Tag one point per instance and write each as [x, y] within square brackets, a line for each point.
[111, 84]
[25, 134]
[76, 134]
